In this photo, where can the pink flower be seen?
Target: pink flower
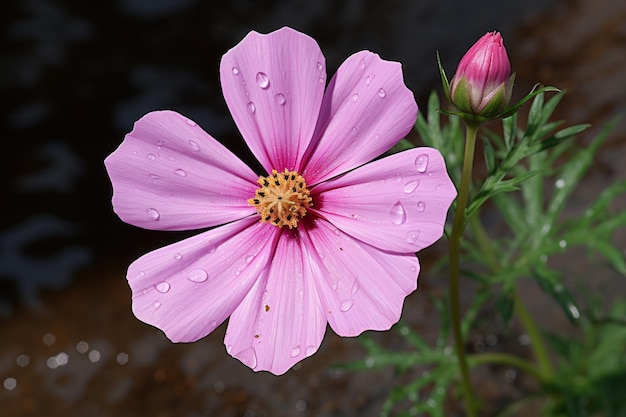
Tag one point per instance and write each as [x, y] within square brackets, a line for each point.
[326, 240]
[482, 84]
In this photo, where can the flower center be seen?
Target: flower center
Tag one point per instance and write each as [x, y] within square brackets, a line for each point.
[282, 199]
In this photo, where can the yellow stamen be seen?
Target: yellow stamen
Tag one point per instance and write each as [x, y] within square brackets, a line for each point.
[282, 199]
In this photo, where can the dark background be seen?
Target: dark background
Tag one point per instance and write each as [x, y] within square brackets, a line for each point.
[75, 75]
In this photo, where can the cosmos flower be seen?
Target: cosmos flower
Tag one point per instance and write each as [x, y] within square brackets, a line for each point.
[319, 238]
[482, 84]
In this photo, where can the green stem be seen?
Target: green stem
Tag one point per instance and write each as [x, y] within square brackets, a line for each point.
[506, 359]
[455, 255]
[536, 340]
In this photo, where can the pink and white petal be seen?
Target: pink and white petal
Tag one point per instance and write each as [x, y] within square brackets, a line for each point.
[273, 85]
[366, 110]
[169, 174]
[361, 287]
[398, 203]
[189, 288]
[281, 321]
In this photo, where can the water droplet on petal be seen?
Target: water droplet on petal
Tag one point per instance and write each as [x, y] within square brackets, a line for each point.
[295, 351]
[248, 357]
[229, 348]
[346, 305]
[382, 93]
[197, 275]
[421, 206]
[160, 143]
[310, 350]
[397, 213]
[410, 186]
[355, 287]
[355, 97]
[235, 71]
[191, 123]
[280, 99]
[249, 258]
[421, 163]
[320, 66]
[322, 80]
[362, 64]
[412, 236]
[251, 107]
[194, 145]
[151, 156]
[178, 256]
[262, 80]
[154, 176]
[156, 304]
[163, 286]
[153, 214]
[181, 172]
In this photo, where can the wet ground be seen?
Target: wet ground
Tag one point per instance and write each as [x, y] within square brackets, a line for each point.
[75, 75]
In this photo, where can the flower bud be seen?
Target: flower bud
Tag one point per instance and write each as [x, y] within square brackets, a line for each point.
[482, 84]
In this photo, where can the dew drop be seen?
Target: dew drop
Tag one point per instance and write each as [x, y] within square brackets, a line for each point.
[194, 145]
[421, 163]
[154, 176]
[151, 156]
[560, 183]
[322, 80]
[251, 107]
[229, 348]
[421, 206]
[355, 97]
[235, 71]
[310, 350]
[248, 357]
[280, 99]
[197, 275]
[412, 236]
[295, 351]
[346, 305]
[382, 93]
[191, 123]
[156, 304]
[181, 172]
[153, 214]
[362, 64]
[368, 80]
[249, 258]
[320, 66]
[262, 80]
[162, 286]
[410, 186]
[355, 287]
[397, 213]
[160, 144]
[178, 256]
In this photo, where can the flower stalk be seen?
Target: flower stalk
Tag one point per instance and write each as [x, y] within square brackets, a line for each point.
[455, 254]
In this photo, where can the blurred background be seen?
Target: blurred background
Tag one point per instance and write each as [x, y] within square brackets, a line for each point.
[75, 75]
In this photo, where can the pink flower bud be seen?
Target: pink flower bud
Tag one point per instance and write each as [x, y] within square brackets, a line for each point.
[482, 84]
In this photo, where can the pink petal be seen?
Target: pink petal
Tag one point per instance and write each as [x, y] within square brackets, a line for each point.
[273, 85]
[281, 320]
[398, 203]
[366, 110]
[361, 287]
[189, 288]
[168, 174]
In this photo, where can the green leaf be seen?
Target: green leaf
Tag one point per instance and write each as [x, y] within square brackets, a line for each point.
[551, 283]
[444, 79]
